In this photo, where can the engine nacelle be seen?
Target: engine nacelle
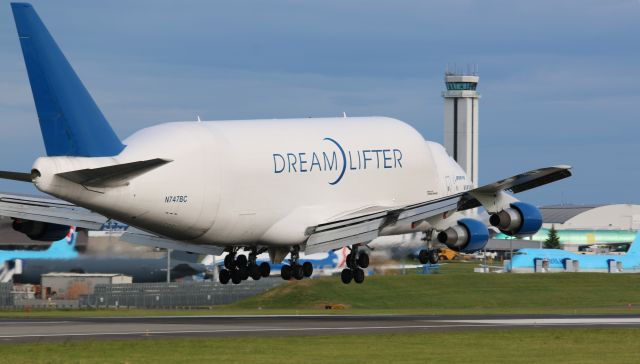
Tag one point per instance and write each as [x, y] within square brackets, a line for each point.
[520, 219]
[42, 231]
[467, 236]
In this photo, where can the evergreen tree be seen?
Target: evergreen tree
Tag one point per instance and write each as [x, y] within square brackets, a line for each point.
[553, 241]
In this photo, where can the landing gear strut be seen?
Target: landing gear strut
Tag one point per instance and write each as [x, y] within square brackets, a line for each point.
[296, 270]
[355, 262]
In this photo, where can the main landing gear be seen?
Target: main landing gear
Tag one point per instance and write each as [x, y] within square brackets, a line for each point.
[296, 270]
[429, 256]
[355, 261]
[238, 267]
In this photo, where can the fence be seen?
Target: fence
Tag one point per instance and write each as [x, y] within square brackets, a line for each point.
[6, 298]
[167, 295]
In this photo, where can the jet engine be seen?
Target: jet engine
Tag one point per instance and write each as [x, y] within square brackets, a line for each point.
[42, 231]
[467, 236]
[520, 219]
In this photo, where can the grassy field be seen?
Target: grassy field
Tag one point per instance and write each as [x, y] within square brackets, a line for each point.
[455, 290]
[495, 346]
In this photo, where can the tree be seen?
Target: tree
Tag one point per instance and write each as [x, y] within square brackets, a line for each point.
[553, 241]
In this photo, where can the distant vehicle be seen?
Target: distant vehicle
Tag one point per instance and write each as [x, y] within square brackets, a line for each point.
[557, 260]
[61, 249]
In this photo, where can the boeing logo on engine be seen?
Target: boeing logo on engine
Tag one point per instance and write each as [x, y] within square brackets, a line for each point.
[338, 160]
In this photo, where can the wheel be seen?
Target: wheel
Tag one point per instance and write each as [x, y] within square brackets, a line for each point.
[363, 260]
[265, 269]
[307, 268]
[254, 272]
[229, 261]
[297, 272]
[434, 256]
[236, 278]
[423, 256]
[285, 272]
[224, 276]
[346, 276]
[241, 261]
[358, 275]
[244, 273]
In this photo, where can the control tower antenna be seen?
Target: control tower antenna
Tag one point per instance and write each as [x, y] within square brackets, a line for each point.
[461, 119]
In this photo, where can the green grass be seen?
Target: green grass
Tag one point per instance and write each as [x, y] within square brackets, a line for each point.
[495, 346]
[455, 290]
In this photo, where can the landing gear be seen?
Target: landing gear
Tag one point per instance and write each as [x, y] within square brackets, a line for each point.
[428, 256]
[295, 269]
[355, 261]
[239, 267]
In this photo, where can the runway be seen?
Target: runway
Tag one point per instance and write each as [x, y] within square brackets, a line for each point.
[24, 330]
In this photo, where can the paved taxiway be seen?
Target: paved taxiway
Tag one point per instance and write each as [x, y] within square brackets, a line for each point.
[15, 330]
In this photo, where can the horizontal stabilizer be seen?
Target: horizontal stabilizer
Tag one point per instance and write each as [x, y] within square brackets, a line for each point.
[112, 176]
[16, 176]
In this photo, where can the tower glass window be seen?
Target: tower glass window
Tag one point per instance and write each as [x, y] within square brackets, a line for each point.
[461, 86]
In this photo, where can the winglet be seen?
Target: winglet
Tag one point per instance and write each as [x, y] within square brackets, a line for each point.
[70, 121]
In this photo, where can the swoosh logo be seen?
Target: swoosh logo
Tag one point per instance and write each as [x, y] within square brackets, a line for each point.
[344, 160]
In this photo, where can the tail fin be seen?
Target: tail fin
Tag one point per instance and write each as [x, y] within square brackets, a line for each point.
[66, 244]
[70, 121]
[634, 248]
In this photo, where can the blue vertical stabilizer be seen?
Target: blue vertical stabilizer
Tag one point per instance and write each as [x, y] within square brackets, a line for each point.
[634, 248]
[70, 121]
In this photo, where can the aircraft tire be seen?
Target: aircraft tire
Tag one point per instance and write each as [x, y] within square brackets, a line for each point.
[244, 273]
[358, 275]
[346, 276]
[297, 271]
[423, 256]
[254, 272]
[241, 261]
[307, 268]
[229, 262]
[265, 269]
[363, 260]
[434, 256]
[285, 272]
[224, 276]
[236, 278]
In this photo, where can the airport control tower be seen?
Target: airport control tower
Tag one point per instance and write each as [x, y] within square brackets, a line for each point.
[461, 120]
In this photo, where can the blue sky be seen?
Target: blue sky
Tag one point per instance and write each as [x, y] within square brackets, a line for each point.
[559, 80]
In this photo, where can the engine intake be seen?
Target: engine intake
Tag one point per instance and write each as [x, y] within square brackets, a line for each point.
[520, 219]
[42, 231]
[467, 236]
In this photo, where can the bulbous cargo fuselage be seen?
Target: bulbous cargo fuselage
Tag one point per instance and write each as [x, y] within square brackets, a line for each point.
[262, 181]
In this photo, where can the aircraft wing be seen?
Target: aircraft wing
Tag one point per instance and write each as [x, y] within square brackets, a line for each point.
[49, 210]
[363, 229]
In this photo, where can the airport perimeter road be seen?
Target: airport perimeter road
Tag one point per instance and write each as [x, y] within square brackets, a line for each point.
[17, 330]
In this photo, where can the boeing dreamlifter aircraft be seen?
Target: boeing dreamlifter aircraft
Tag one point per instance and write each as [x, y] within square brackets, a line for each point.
[276, 186]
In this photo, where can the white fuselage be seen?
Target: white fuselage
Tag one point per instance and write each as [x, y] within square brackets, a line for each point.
[262, 182]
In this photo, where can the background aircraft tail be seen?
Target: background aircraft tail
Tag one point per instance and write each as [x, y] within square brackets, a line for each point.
[65, 245]
[70, 121]
[634, 248]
